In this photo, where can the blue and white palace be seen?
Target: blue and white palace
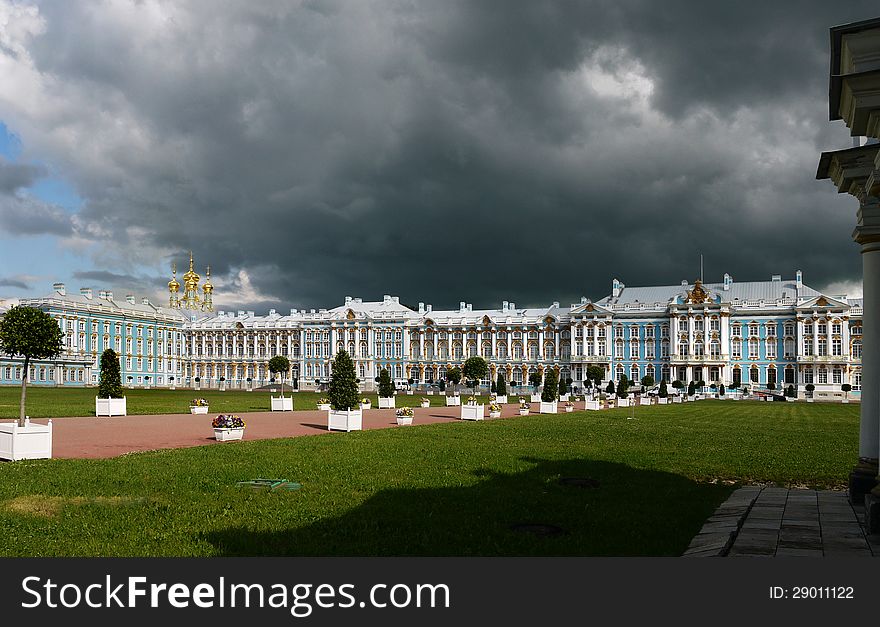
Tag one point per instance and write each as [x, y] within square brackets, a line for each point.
[754, 333]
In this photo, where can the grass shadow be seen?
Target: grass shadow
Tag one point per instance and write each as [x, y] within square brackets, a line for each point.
[620, 511]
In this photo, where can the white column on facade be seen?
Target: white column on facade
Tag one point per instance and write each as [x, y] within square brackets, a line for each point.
[815, 337]
[867, 233]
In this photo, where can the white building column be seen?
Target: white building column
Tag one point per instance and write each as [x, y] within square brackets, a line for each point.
[867, 233]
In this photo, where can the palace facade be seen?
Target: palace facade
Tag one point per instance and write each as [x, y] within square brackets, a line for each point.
[754, 333]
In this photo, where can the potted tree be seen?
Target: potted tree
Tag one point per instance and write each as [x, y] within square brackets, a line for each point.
[110, 400]
[228, 427]
[663, 394]
[770, 386]
[198, 381]
[563, 389]
[809, 387]
[845, 388]
[222, 384]
[386, 390]
[130, 379]
[30, 334]
[595, 374]
[550, 393]
[535, 381]
[171, 380]
[721, 391]
[736, 394]
[475, 368]
[411, 390]
[692, 390]
[249, 382]
[500, 390]
[622, 392]
[453, 375]
[345, 413]
[147, 382]
[280, 365]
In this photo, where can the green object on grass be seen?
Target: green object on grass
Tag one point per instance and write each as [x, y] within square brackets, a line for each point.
[269, 484]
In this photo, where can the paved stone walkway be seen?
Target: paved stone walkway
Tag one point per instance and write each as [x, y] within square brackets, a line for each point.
[780, 522]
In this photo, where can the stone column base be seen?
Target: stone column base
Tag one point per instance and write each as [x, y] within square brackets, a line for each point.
[862, 480]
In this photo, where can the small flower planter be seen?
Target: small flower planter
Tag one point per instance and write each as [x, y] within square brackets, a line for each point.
[386, 402]
[593, 405]
[227, 435]
[324, 406]
[366, 406]
[425, 404]
[198, 409]
[494, 414]
[472, 411]
[351, 420]
[569, 409]
[404, 421]
[453, 401]
[523, 411]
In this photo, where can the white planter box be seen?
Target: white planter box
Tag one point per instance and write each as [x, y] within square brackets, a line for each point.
[453, 401]
[430, 393]
[351, 420]
[501, 400]
[569, 409]
[494, 414]
[677, 399]
[198, 409]
[535, 398]
[644, 400]
[523, 412]
[472, 412]
[564, 397]
[386, 402]
[547, 408]
[594, 405]
[809, 400]
[366, 406]
[425, 404]
[844, 401]
[662, 401]
[324, 406]
[110, 406]
[404, 421]
[623, 402]
[282, 403]
[226, 435]
[32, 441]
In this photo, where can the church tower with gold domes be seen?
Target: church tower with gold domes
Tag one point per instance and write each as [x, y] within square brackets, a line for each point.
[191, 298]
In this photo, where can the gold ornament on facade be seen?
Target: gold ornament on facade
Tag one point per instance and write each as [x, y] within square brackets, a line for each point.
[698, 294]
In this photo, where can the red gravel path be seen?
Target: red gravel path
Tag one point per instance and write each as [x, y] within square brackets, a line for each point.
[96, 438]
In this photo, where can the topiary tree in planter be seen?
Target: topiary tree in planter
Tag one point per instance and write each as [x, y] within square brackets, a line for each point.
[475, 368]
[32, 334]
[809, 387]
[280, 365]
[595, 374]
[610, 387]
[677, 384]
[453, 375]
[771, 386]
[647, 381]
[442, 385]
[663, 391]
[535, 381]
[550, 392]
[343, 392]
[721, 390]
[563, 386]
[501, 386]
[110, 380]
[622, 387]
[692, 388]
[386, 385]
[845, 388]
[790, 391]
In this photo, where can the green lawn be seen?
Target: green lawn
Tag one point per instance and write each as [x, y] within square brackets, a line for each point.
[45, 402]
[444, 489]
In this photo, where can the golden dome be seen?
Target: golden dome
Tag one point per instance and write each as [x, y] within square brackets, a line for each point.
[173, 285]
[191, 278]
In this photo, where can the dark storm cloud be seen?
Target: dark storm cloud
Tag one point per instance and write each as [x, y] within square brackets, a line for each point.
[15, 176]
[477, 151]
[21, 215]
[12, 282]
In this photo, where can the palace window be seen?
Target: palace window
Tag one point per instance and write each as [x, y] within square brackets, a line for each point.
[836, 347]
[823, 375]
[836, 376]
[682, 325]
[856, 329]
[634, 373]
[753, 348]
[736, 350]
[771, 348]
[808, 346]
[835, 328]
[771, 376]
[789, 375]
[601, 352]
[823, 347]
[683, 349]
[649, 350]
[600, 333]
[714, 324]
[753, 374]
[698, 349]
[618, 348]
[533, 351]
[590, 331]
[736, 331]
[808, 328]
[649, 331]
[823, 328]
[715, 349]
[664, 349]
[753, 330]
[548, 351]
[857, 349]
[517, 351]
[664, 330]
[698, 324]
[618, 331]
[771, 329]
[857, 380]
[789, 328]
[634, 350]
[665, 372]
[788, 347]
